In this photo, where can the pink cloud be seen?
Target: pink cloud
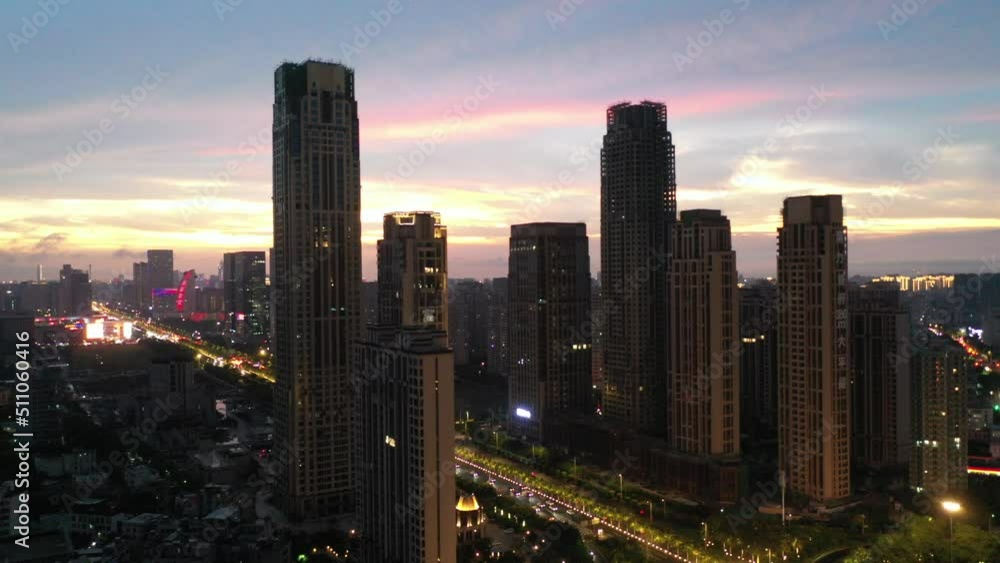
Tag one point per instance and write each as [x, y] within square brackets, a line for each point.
[514, 118]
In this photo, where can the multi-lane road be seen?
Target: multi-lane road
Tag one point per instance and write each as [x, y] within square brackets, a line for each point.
[237, 360]
[655, 549]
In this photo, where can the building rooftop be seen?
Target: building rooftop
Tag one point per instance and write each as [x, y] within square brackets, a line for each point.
[467, 503]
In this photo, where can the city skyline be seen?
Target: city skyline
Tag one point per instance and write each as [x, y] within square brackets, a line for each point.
[536, 282]
[866, 129]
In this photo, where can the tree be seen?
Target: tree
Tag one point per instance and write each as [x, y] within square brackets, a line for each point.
[922, 538]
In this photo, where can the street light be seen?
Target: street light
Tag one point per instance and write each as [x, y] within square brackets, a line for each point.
[951, 507]
[621, 487]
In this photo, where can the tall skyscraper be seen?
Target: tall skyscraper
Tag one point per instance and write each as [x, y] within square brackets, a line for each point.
[143, 291]
[406, 431]
[705, 371]
[369, 303]
[497, 357]
[549, 296]
[413, 271]
[638, 209]
[940, 457]
[814, 394]
[467, 322]
[160, 274]
[74, 292]
[245, 283]
[317, 260]
[704, 408]
[597, 330]
[881, 403]
[759, 364]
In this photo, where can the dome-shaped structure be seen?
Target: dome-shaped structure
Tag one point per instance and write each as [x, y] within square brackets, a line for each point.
[469, 519]
[467, 503]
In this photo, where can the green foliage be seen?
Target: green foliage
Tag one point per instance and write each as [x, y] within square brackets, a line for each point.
[926, 539]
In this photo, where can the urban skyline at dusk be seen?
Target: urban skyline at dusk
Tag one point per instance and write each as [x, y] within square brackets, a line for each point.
[495, 118]
[571, 281]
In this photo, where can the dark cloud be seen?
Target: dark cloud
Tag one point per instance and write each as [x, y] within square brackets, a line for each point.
[126, 253]
[49, 243]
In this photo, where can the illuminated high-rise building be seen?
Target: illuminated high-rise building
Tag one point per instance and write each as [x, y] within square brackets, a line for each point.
[880, 358]
[317, 263]
[549, 307]
[160, 275]
[497, 358]
[902, 281]
[940, 458]
[638, 209]
[413, 271]
[74, 292]
[143, 291]
[705, 372]
[759, 364]
[246, 294]
[704, 364]
[406, 445]
[468, 322]
[814, 393]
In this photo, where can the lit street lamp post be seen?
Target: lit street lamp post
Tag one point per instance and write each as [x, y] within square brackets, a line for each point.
[951, 507]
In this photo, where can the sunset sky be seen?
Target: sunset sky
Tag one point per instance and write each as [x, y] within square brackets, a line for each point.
[907, 128]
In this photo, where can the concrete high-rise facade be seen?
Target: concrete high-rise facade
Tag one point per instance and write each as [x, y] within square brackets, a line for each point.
[759, 363]
[597, 340]
[468, 324]
[940, 458]
[406, 435]
[703, 459]
[497, 352]
[369, 303]
[550, 348]
[74, 292]
[880, 360]
[413, 271]
[143, 291]
[638, 209]
[160, 275]
[704, 329]
[814, 394]
[246, 294]
[317, 275]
